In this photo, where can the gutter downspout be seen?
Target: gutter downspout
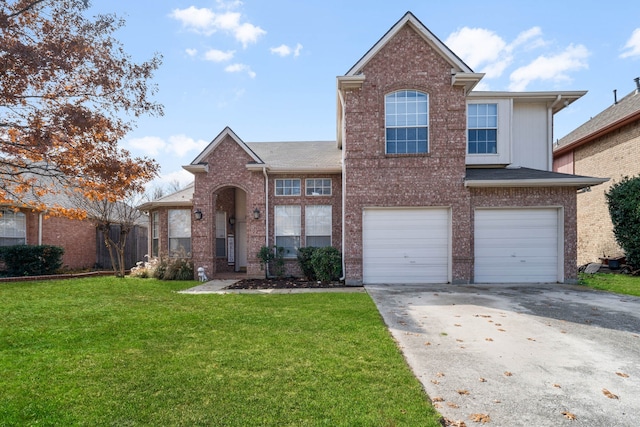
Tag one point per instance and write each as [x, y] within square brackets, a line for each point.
[266, 213]
[40, 228]
[344, 185]
[550, 132]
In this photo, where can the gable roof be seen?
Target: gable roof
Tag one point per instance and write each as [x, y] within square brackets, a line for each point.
[199, 165]
[626, 111]
[526, 177]
[410, 19]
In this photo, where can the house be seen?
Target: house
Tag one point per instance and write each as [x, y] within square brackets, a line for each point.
[607, 145]
[428, 181]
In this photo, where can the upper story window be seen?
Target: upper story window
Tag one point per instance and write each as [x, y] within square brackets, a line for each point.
[407, 122]
[287, 187]
[318, 187]
[482, 128]
[13, 228]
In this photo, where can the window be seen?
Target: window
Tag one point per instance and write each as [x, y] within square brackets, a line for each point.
[221, 234]
[482, 125]
[155, 234]
[179, 232]
[13, 228]
[288, 229]
[406, 122]
[317, 221]
[318, 187]
[287, 187]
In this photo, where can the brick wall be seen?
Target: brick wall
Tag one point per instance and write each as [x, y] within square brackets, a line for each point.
[78, 238]
[612, 156]
[434, 179]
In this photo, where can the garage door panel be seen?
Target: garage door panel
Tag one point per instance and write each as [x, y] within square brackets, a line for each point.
[516, 245]
[405, 245]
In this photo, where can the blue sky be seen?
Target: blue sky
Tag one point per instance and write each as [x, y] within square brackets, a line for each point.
[267, 69]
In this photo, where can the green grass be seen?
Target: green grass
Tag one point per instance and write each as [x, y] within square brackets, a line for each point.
[618, 283]
[107, 351]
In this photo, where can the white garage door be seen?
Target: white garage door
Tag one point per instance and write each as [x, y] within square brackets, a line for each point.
[516, 246]
[405, 246]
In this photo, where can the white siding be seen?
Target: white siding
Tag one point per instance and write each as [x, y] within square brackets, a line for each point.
[531, 146]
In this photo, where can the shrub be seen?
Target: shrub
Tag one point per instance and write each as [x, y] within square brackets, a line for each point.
[304, 261]
[145, 270]
[327, 263]
[28, 260]
[271, 259]
[623, 199]
[173, 269]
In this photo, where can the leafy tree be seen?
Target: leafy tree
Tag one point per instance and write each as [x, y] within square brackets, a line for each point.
[68, 93]
[623, 199]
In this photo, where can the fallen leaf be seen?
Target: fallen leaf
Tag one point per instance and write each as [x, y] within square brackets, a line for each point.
[462, 346]
[502, 330]
[480, 418]
[530, 339]
[563, 332]
[451, 423]
[437, 405]
[427, 343]
[463, 392]
[436, 382]
[623, 375]
[488, 339]
[569, 415]
[457, 324]
[498, 324]
[508, 374]
[459, 340]
[439, 374]
[557, 386]
[497, 401]
[482, 380]
[609, 394]
[438, 399]
[452, 405]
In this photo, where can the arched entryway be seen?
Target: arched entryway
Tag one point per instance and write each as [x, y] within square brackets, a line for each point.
[230, 230]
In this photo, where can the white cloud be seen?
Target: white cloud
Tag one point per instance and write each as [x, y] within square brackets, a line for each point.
[205, 21]
[239, 68]
[191, 52]
[182, 144]
[284, 50]
[167, 180]
[149, 145]
[216, 55]
[633, 45]
[553, 68]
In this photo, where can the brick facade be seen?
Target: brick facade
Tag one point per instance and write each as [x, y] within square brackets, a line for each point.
[613, 155]
[78, 238]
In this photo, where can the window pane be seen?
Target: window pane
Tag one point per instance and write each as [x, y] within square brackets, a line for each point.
[287, 187]
[318, 220]
[290, 244]
[406, 122]
[318, 241]
[221, 248]
[482, 123]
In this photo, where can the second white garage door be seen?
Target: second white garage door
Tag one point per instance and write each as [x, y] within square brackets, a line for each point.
[517, 246]
[406, 245]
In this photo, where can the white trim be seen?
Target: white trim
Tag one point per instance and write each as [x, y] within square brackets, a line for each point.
[565, 182]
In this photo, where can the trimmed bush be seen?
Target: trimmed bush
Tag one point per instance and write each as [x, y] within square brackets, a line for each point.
[327, 263]
[174, 269]
[27, 260]
[304, 261]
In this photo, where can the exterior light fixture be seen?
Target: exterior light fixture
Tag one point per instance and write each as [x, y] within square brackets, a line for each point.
[197, 214]
[232, 220]
[256, 213]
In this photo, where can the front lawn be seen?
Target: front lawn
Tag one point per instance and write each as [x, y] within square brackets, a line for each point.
[618, 283]
[107, 351]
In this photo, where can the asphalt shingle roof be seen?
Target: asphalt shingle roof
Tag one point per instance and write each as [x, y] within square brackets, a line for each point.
[307, 155]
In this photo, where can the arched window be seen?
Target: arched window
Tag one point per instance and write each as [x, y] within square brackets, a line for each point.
[407, 122]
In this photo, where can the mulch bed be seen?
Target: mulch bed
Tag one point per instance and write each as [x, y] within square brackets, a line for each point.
[283, 283]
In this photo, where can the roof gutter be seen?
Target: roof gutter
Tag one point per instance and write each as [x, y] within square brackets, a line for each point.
[341, 140]
[579, 182]
[266, 213]
[597, 134]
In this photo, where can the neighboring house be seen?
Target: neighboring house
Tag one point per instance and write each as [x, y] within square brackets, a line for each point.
[608, 145]
[428, 181]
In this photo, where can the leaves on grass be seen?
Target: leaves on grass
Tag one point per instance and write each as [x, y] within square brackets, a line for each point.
[609, 394]
[480, 418]
[621, 374]
[568, 415]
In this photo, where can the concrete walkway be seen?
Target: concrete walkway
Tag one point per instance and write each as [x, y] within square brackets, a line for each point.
[523, 355]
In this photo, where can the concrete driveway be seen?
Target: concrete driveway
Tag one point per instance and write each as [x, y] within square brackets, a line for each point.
[523, 355]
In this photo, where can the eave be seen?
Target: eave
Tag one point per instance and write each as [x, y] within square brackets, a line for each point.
[579, 182]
